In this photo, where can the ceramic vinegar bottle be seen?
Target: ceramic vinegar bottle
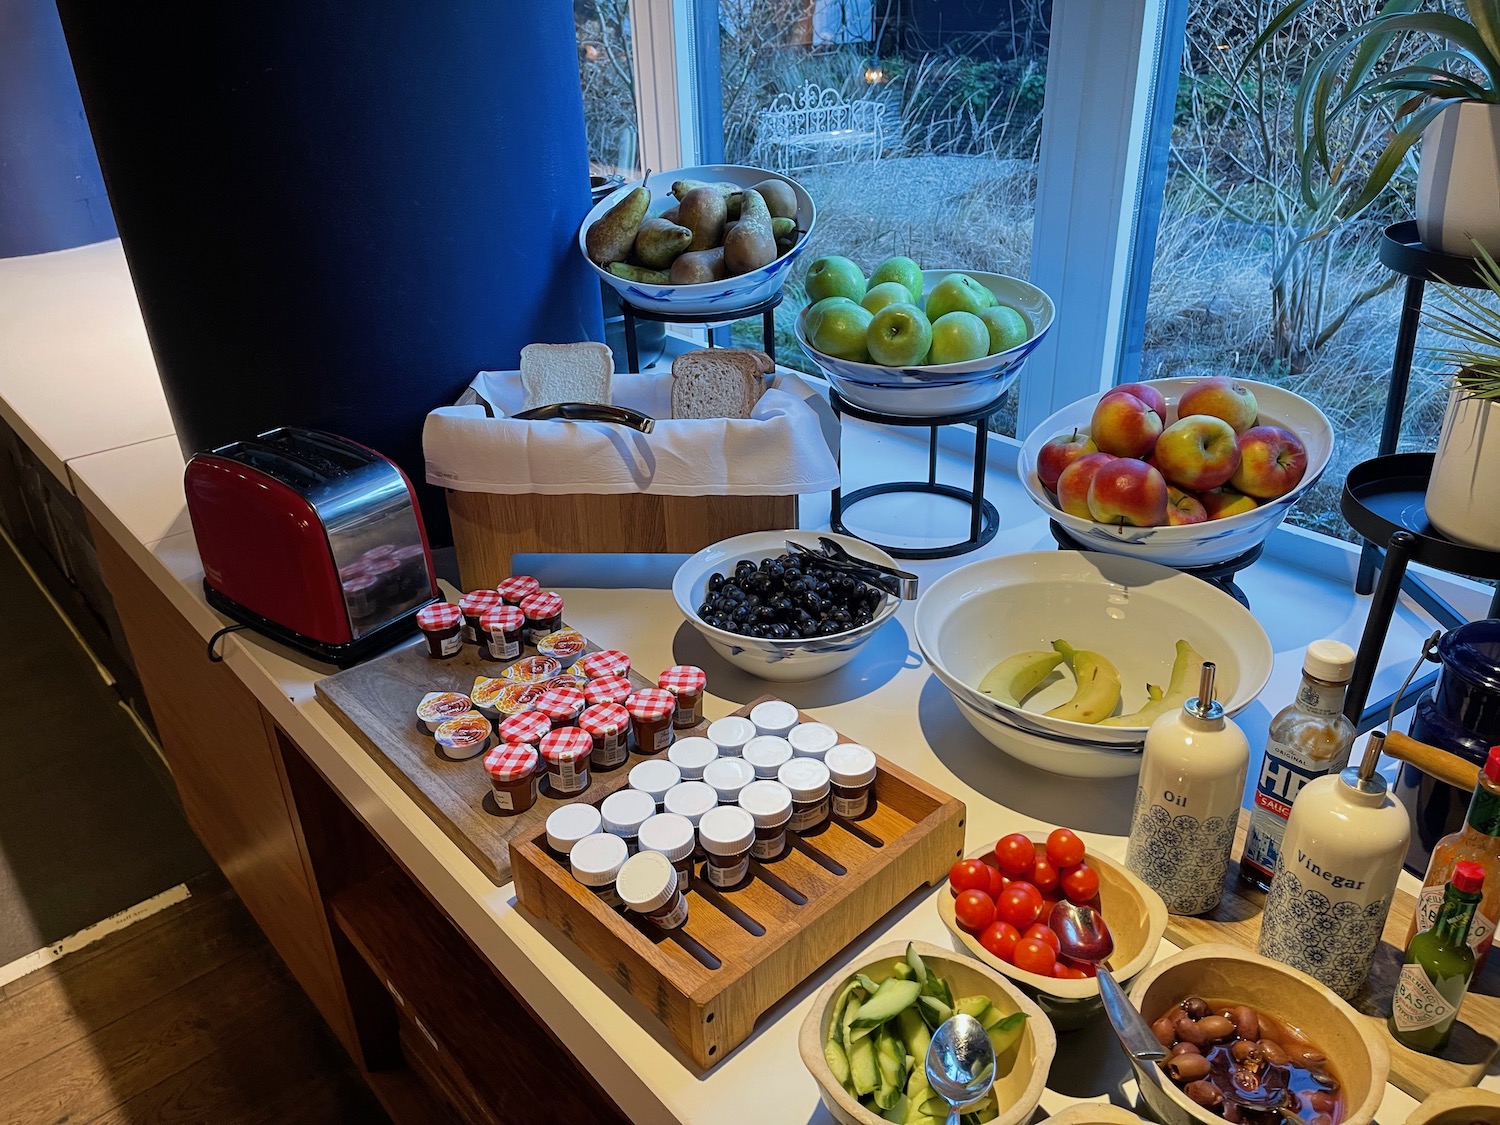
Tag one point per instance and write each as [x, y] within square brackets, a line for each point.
[1335, 875]
[1187, 802]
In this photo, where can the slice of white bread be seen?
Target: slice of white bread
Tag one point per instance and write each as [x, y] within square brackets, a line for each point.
[718, 382]
[566, 373]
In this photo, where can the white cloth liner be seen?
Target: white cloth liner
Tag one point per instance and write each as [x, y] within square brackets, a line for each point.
[788, 446]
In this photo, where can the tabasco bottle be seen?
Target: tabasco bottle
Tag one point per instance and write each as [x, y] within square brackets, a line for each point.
[1439, 965]
[1478, 842]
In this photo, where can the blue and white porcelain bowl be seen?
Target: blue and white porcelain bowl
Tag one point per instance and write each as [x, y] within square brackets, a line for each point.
[727, 296]
[1193, 544]
[785, 661]
[940, 388]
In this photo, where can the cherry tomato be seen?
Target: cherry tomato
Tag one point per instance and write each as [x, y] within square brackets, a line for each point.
[1081, 884]
[1000, 939]
[1084, 969]
[1035, 957]
[1064, 848]
[1039, 931]
[1067, 972]
[1043, 875]
[998, 882]
[1019, 904]
[975, 910]
[1014, 854]
[969, 874]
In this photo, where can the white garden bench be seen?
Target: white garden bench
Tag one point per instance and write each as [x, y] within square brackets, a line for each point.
[814, 127]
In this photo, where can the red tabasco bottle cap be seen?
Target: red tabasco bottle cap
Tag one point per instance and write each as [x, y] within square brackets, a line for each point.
[1468, 877]
[1492, 764]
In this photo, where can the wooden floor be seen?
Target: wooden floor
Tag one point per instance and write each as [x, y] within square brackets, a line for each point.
[186, 1017]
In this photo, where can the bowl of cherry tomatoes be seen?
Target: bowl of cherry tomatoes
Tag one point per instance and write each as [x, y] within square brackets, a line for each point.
[998, 903]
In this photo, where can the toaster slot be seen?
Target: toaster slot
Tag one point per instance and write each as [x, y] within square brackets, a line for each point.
[328, 455]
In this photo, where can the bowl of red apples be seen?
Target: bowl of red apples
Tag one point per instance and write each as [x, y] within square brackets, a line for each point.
[1183, 472]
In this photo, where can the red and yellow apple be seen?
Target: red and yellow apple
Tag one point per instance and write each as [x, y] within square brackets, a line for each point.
[1057, 454]
[1073, 483]
[1129, 493]
[1220, 397]
[1272, 462]
[1147, 394]
[1222, 503]
[1184, 508]
[1198, 452]
[1125, 425]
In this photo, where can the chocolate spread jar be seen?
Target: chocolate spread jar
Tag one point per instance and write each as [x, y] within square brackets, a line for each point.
[649, 885]
[770, 804]
[808, 782]
[727, 834]
[672, 836]
[852, 768]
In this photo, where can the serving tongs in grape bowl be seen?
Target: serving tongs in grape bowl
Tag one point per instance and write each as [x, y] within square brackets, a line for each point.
[898, 583]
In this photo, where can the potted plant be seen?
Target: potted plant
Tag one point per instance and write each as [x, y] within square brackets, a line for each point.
[1410, 75]
[1463, 497]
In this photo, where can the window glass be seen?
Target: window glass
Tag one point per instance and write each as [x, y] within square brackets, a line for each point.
[604, 67]
[921, 137]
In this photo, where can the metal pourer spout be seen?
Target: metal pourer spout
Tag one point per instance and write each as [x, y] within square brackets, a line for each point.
[1374, 747]
[1204, 705]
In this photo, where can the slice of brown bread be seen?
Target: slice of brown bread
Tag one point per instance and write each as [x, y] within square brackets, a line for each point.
[717, 383]
[566, 373]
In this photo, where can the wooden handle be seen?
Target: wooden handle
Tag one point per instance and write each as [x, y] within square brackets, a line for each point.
[1456, 771]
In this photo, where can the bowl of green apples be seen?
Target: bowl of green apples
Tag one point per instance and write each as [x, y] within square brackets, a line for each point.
[958, 337]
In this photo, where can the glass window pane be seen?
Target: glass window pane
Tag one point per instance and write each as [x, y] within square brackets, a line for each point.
[604, 67]
[921, 135]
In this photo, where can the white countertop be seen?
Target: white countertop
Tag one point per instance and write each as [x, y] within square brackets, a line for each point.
[885, 698]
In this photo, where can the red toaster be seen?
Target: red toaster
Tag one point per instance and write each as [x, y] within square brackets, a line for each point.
[312, 539]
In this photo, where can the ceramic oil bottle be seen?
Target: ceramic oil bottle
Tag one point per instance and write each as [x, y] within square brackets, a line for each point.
[1191, 783]
[1335, 875]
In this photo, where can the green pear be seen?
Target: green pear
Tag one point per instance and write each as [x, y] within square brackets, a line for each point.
[611, 236]
[782, 228]
[780, 199]
[703, 212]
[639, 273]
[682, 187]
[751, 244]
[658, 242]
[697, 266]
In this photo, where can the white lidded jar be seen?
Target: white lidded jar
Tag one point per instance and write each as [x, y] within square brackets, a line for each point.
[1336, 874]
[1187, 802]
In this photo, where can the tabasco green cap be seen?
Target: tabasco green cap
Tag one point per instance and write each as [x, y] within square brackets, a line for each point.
[1468, 876]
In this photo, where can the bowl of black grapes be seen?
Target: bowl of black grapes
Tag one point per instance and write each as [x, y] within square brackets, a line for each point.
[777, 613]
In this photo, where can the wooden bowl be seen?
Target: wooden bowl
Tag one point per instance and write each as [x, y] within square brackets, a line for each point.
[1136, 916]
[1458, 1107]
[1225, 972]
[1019, 1088]
[1097, 1113]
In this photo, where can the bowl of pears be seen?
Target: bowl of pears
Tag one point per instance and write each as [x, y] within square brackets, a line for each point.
[717, 238]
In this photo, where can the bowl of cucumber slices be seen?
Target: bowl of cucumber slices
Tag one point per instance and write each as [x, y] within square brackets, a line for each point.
[865, 1038]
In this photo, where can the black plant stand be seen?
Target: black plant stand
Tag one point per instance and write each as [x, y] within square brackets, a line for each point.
[984, 520]
[766, 310]
[1219, 574]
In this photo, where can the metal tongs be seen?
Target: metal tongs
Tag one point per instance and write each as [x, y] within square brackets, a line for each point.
[898, 583]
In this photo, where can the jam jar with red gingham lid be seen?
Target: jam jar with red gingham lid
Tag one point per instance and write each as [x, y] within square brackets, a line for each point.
[543, 611]
[608, 724]
[566, 753]
[473, 604]
[517, 588]
[525, 726]
[562, 703]
[533, 670]
[514, 776]
[500, 633]
[686, 683]
[464, 737]
[442, 627]
[651, 712]
[605, 662]
[608, 689]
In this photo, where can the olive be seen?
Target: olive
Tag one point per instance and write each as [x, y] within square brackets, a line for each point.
[1322, 1101]
[1324, 1079]
[1246, 1021]
[1273, 1052]
[1165, 1033]
[1180, 1048]
[1246, 1051]
[1196, 1006]
[1309, 1057]
[1205, 1094]
[1186, 1068]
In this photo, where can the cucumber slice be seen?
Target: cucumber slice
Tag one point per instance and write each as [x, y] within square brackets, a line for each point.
[902, 970]
[992, 1017]
[840, 1003]
[918, 967]
[862, 1069]
[914, 1035]
[838, 1061]
[869, 984]
[938, 989]
[975, 1006]
[934, 1011]
[1005, 1034]
[890, 998]
[898, 1111]
[891, 1058]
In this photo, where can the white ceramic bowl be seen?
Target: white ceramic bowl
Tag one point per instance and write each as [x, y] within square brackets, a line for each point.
[1194, 544]
[729, 295]
[1131, 611]
[785, 661]
[942, 388]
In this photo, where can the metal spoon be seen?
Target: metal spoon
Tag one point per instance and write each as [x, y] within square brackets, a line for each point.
[960, 1063]
[1083, 936]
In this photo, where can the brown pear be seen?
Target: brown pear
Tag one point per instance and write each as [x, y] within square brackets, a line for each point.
[780, 199]
[658, 242]
[751, 244]
[610, 237]
[702, 211]
[698, 266]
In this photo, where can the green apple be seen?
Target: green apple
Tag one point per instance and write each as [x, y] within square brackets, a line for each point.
[958, 337]
[902, 270]
[958, 292]
[899, 336]
[834, 277]
[886, 293]
[836, 326]
[1007, 327]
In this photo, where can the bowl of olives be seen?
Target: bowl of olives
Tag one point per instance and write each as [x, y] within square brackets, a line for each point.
[778, 614]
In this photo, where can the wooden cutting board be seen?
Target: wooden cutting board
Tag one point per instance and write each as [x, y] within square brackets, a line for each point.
[1476, 1035]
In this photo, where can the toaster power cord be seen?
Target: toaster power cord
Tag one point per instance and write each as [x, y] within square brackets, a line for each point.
[214, 655]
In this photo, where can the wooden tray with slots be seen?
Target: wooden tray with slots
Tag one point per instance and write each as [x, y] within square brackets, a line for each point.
[1476, 1035]
[742, 950]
